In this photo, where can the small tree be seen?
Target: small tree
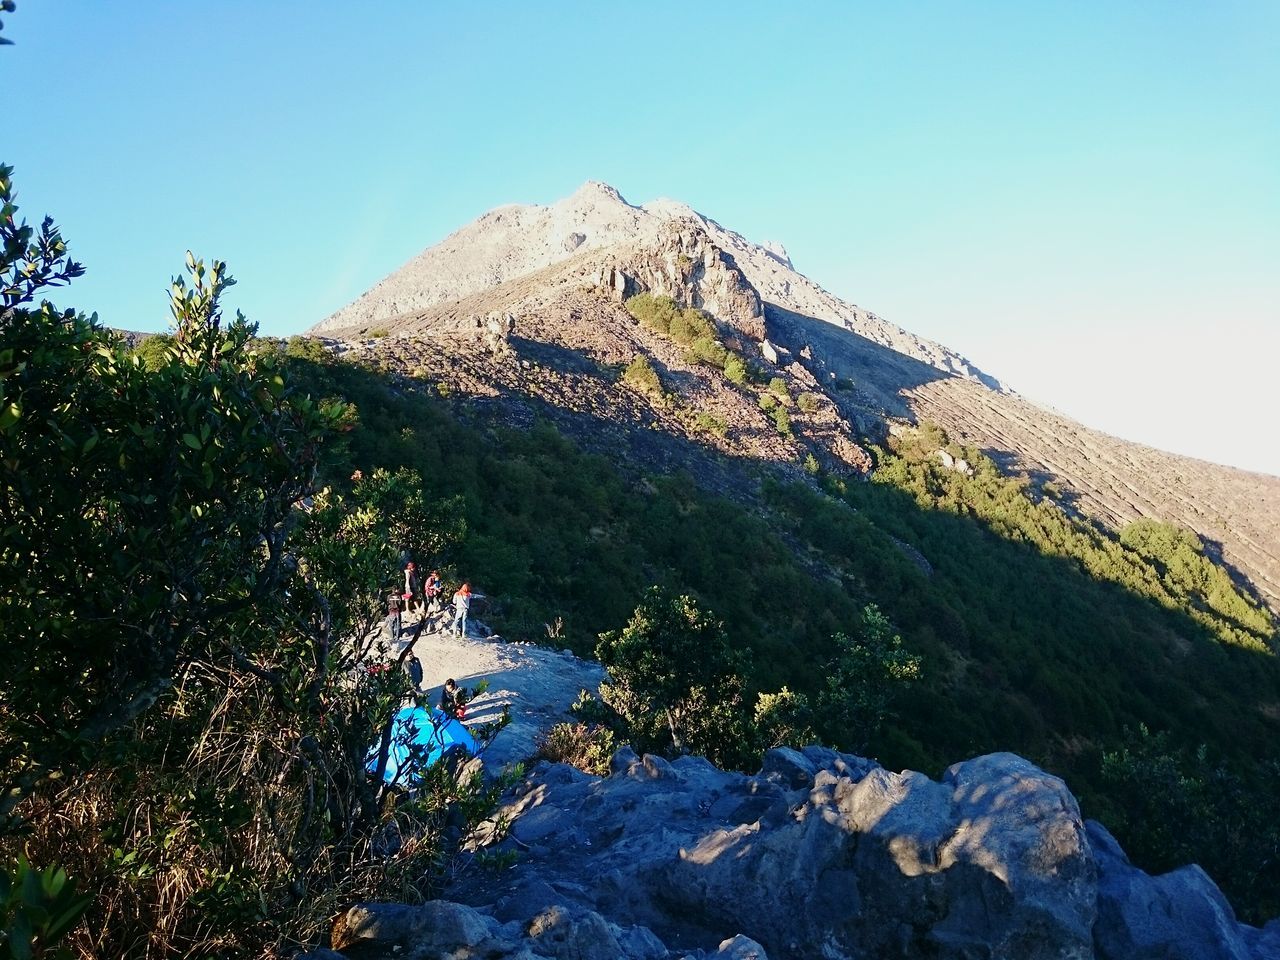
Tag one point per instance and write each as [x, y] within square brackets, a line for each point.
[676, 681]
[863, 680]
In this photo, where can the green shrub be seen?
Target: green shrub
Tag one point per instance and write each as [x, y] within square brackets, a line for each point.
[712, 424]
[710, 351]
[808, 402]
[768, 402]
[778, 387]
[589, 747]
[377, 333]
[811, 465]
[654, 313]
[782, 420]
[690, 325]
[735, 370]
[641, 376]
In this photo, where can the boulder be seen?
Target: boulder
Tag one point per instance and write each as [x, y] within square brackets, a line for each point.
[1180, 915]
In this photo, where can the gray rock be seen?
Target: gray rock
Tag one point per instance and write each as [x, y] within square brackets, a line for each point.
[622, 761]
[741, 948]
[557, 933]
[789, 767]
[1180, 915]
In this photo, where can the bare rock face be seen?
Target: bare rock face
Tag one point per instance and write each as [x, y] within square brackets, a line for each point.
[684, 264]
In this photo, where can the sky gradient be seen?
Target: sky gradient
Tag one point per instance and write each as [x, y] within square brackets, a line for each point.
[1082, 198]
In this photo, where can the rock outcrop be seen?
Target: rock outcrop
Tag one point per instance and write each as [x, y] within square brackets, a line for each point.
[821, 854]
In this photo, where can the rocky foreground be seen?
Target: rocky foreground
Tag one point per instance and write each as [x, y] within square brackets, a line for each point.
[821, 854]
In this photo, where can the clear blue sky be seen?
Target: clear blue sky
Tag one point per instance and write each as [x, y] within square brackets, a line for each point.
[1084, 198]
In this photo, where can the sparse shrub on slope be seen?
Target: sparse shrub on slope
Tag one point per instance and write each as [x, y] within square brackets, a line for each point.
[641, 376]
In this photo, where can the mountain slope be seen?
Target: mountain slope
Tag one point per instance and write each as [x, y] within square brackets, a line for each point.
[561, 271]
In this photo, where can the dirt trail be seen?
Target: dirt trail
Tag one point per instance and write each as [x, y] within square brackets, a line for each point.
[538, 684]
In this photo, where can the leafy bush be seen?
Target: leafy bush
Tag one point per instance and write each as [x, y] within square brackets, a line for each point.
[735, 370]
[778, 387]
[808, 402]
[378, 333]
[811, 465]
[782, 421]
[864, 679]
[641, 376]
[589, 747]
[768, 402]
[198, 759]
[710, 423]
[710, 351]
[676, 680]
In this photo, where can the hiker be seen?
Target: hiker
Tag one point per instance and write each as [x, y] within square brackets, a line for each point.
[461, 605]
[395, 603]
[415, 672]
[411, 587]
[432, 590]
[453, 699]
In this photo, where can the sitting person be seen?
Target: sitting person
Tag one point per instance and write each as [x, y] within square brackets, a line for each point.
[453, 699]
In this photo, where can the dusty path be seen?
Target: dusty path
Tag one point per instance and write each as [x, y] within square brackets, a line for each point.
[538, 684]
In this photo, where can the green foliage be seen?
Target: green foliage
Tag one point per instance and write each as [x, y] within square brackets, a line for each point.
[710, 351]
[157, 501]
[1029, 646]
[675, 679]
[863, 681]
[710, 423]
[783, 719]
[778, 387]
[782, 421]
[688, 327]
[307, 348]
[378, 333]
[589, 747]
[808, 402]
[154, 351]
[201, 725]
[811, 465]
[735, 370]
[1169, 806]
[641, 376]
[37, 909]
[768, 402]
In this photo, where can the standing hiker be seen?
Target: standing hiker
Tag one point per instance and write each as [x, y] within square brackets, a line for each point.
[395, 603]
[411, 593]
[431, 591]
[461, 605]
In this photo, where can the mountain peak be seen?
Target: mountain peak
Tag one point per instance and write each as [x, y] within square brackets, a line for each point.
[598, 190]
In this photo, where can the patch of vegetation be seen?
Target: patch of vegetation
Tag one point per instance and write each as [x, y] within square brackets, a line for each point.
[588, 747]
[641, 376]
[808, 402]
[768, 402]
[778, 387]
[689, 327]
[782, 421]
[710, 423]
[378, 333]
[735, 370]
[209, 734]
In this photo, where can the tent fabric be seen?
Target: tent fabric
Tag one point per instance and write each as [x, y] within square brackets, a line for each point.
[432, 731]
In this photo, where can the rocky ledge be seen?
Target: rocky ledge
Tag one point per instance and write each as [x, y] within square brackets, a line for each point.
[821, 854]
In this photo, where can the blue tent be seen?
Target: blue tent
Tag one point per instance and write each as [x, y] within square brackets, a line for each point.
[420, 737]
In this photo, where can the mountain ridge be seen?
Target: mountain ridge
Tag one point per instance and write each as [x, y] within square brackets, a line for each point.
[560, 272]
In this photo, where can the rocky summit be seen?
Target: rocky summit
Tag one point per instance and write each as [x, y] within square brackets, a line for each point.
[820, 854]
[519, 315]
